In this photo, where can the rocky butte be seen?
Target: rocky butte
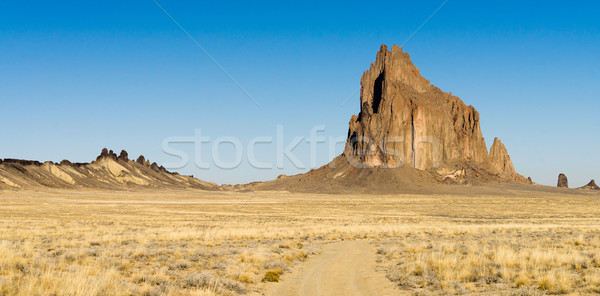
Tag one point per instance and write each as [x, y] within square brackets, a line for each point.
[408, 135]
[407, 121]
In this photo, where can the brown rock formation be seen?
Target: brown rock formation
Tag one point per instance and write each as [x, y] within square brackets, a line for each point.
[408, 137]
[123, 156]
[501, 160]
[592, 185]
[406, 121]
[107, 172]
[562, 181]
[106, 154]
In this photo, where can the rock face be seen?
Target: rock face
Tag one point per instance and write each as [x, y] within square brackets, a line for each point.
[406, 121]
[501, 160]
[562, 181]
[106, 154]
[592, 185]
[123, 156]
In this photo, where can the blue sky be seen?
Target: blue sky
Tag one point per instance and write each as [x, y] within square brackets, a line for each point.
[77, 76]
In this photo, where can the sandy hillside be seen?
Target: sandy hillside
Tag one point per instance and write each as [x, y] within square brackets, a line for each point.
[108, 171]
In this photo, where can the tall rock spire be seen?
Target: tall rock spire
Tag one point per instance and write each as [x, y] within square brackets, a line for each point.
[406, 121]
[501, 160]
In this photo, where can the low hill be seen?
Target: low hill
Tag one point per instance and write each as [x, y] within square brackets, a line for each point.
[108, 171]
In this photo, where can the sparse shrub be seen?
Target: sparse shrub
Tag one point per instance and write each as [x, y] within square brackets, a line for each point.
[200, 280]
[207, 280]
[180, 265]
[232, 285]
[153, 280]
[152, 291]
[271, 276]
[526, 291]
[22, 268]
[417, 271]
[275, 265]
[522, 281]
[245, 278]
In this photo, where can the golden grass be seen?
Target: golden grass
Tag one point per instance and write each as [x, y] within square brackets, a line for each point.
[198, 243]
[484, 260]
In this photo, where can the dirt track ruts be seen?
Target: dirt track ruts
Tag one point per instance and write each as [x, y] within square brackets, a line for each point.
[345, 268]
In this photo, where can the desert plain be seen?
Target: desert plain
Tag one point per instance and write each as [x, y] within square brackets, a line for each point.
[462, 240]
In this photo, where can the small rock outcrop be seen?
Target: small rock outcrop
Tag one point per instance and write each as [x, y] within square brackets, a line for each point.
[106, 154]
[141, 160]
[562, 181]
[123, 156]
[592, 185]
[405, 121]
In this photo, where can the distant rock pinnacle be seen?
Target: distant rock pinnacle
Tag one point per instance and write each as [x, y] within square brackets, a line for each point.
[562, 181]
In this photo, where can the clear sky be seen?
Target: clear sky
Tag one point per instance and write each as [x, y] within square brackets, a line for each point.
[77, 76]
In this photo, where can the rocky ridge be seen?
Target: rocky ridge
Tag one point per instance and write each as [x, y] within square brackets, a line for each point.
[108, 171]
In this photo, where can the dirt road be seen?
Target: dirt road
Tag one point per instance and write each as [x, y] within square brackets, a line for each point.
[344, 268]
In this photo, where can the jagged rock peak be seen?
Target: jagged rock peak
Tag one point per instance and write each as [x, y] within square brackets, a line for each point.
[500, 158]
[395, 66]
[141, 160]
[563, 182]
[404, 120]
[123, 156]
[107, 154]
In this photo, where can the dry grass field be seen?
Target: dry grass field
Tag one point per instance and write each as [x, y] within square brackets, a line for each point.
[515, 242]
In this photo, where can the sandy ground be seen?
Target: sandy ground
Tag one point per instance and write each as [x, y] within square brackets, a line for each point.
[343, 269]
[510, 240]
